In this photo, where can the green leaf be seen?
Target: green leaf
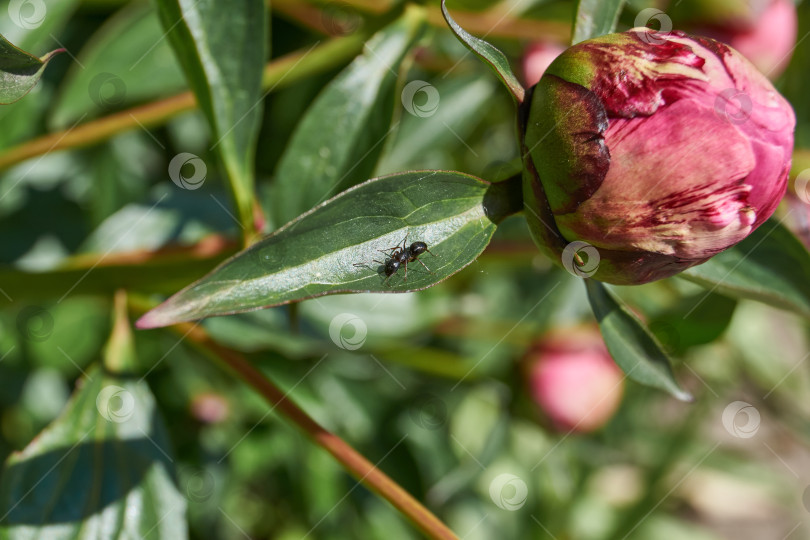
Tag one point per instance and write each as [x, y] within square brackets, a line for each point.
[126, 61]
[632, 346]
[440, 136]
[771, 266]
[222, 47]
[339, 140]
[102, 469]
[596, 18]
[693, 320]
[489, 54]
[19, 71]
[332, 248]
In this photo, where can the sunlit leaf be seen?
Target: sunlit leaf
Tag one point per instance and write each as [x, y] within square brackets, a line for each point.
[338, 141]
[337, 246]
[102, 469]
[222, 47]
[489, 54]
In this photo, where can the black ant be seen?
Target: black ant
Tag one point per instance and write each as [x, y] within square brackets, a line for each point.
[401, 256]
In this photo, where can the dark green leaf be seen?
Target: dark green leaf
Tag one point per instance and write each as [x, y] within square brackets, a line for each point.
[19, 71]
[126, 61]
[338, 141]
[489, 54]
[222, 48]
[332, 248]
[102, 469]
[632, 346]
[596, 18]
[771, 266]
[694, 320]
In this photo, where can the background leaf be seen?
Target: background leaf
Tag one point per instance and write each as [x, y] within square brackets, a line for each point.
[595, 18]
[332, 249]
[69, 481]
[222, 48]
[126, 61]
[339, 140]
[31, 25]
[19, 71]
[489, 54]
[631, 344]
[771, 266]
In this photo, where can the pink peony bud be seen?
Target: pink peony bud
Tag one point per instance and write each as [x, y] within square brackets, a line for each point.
[658, 149]
[574, 380]
[537, 58]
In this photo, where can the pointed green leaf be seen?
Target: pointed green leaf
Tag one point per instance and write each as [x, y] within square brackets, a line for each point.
[489, 54]
[631, 345]
[333, 248]
[596, 18]
[222, 47]
[771, 266]
[337, 143]
[102, 469]
[19, 71]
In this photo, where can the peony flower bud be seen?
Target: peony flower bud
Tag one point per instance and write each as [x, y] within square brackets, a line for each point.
[573, 379]
[659, 150]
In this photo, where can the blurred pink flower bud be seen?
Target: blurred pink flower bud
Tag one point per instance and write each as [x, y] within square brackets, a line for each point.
[764, 31]
[574, 380]
[770, 43]
[537, 58]
[209, 408]
[655, 150]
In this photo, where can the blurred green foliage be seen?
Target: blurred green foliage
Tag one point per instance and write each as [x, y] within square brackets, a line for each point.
[436, 394]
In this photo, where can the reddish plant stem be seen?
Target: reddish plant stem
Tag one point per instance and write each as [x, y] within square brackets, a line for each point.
[348, 457]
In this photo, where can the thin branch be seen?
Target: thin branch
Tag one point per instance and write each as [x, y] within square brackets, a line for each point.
[348, 457]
